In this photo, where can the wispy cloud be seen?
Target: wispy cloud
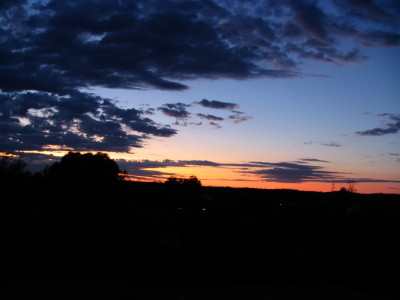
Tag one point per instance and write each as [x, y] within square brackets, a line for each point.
[326, 144]
[176, 110]
[391, 125]
[217, 104]
[209, 117]
[181, 112]
[313, 160]
[215, 125]
[239, 117]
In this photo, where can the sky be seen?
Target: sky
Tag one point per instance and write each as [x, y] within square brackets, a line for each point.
[293, 94]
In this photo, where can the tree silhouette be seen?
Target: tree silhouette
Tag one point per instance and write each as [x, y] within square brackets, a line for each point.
[185, 192]
[191, 182]
[352, 186]
[87, 167]
[11, 168]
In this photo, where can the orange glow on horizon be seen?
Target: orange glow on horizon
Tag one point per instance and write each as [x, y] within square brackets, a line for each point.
[50, 153]
[227, 177]
[4, 154]
[231, 176]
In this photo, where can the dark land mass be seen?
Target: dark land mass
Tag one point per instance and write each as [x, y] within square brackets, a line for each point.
[129, 239]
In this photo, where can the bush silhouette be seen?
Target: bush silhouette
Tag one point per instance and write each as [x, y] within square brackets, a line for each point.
[87, 167]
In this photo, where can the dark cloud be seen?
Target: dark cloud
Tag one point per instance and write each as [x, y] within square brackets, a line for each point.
[147, 164]
[6, 4]
[209, 117]
[317, 50]
[120, 44]
[217, 104]
[313, 160]
[311, 18]
[204, 163]
[373, 37]
[61, 45]
[139, 168]
[332, 144]
[292, 172]
[368, 9]
[392, 125]
[215, 125]
[181, 113]
[380, 38]
[80, 121]
[51, 50]
[175, 110]
[295, 174]
[185, 123]
[149, 111]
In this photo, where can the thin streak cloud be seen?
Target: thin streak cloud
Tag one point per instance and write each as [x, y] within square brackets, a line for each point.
[392, 125]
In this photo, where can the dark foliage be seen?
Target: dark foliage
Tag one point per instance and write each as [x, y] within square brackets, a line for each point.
[179, 234]
[191, 182]
[12, 168]
[86, 167]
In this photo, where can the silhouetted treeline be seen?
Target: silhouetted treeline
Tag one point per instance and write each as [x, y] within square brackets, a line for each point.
[181, 233]
[82, 168]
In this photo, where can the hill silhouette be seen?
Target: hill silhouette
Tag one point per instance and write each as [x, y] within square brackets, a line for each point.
[182, 234]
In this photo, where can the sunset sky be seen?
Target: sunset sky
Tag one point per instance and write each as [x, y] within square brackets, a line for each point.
[268, 94]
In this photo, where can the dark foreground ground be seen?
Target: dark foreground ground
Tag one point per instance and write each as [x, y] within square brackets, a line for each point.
[89, 289]
[148, 240]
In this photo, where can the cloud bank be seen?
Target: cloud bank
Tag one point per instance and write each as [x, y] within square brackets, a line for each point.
[80, 121]
[51, 50]
[62, 45]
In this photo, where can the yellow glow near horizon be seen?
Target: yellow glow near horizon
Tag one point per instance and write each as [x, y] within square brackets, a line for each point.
[51, 153]
[4, 154]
